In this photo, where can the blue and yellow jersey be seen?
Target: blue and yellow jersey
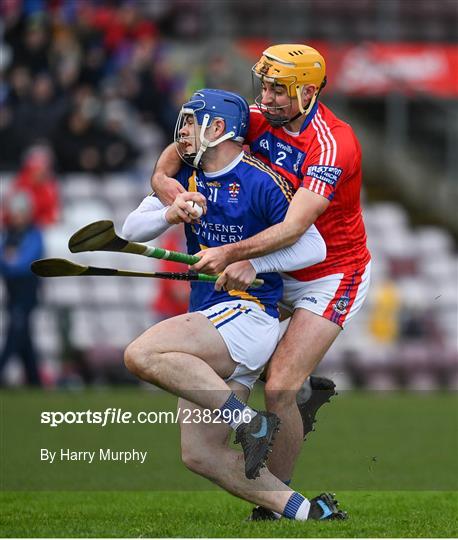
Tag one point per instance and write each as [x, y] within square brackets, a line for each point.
[242, 200]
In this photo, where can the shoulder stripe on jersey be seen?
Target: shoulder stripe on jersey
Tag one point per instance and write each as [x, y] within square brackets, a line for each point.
[323, 123]
[279, 180]
[328, 150]
[324, 141]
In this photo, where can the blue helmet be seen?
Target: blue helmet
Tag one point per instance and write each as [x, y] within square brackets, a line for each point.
[206, 105]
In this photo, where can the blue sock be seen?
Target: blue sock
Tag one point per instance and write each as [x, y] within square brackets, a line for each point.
[287, 482]
[235, 412]
[297, 507]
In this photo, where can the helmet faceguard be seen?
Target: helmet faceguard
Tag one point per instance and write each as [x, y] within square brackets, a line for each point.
[292, 67]
[200, 111]
[276, 115]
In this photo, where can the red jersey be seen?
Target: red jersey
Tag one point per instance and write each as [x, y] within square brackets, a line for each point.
[324, 157]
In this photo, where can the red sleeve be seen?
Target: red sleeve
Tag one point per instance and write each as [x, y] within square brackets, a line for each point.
[331, 160]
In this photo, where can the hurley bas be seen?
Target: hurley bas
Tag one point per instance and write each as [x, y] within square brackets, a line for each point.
[88, 456]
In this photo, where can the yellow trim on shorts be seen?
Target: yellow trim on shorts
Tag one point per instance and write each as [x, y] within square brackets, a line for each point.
[247, 296]
[223, 316]
[226, 314]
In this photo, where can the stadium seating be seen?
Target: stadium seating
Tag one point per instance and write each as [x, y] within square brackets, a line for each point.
[110, 312]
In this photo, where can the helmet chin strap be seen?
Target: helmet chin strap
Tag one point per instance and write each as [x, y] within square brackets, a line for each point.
[205, 143]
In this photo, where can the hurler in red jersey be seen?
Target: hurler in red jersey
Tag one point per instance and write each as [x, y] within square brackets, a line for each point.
[324, 156]
[318, 153]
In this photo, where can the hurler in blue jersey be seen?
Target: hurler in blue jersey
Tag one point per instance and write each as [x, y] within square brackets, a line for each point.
[211, 356]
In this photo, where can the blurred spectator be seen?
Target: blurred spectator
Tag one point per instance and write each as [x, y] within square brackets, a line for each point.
[418, 324]
[172, 296]
[82, 145]
[56, 49]
[36, 177]
[37, 118]
[33, 48]
[21, 243]
[20, 84]
[384, 318]
[120, 26]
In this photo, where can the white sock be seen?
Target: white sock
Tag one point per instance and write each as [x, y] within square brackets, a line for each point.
[245, 416]
[303, 512]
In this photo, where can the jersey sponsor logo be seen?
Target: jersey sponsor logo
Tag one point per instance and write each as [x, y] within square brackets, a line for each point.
[285, 147]
[325, 173]
[223, 233]
[341, 305]
[279, 152]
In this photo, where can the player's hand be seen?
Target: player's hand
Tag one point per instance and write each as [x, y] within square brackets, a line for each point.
[239, 276]
[212, 260]
[181, 212]
[166, 188]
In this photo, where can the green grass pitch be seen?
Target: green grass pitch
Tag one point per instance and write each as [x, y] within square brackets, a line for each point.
[391, 459]
[210, 514]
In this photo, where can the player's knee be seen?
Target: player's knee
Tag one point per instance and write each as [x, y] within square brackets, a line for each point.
[141, 361]
[279, 395]
[132, 359]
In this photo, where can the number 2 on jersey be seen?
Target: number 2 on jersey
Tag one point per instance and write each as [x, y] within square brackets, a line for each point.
[280, 158]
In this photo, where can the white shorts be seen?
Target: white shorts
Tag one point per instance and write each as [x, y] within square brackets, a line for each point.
[337, 297]
[250, 334]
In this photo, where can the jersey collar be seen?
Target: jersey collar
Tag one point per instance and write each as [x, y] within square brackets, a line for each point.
[306, 122]
[227, 168]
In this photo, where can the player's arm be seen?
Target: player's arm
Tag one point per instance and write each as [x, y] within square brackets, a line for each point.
[152, 218]
[303, 211]
[310, 249]
[163, 181]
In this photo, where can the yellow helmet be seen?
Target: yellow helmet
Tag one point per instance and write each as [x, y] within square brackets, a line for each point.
[294, 66]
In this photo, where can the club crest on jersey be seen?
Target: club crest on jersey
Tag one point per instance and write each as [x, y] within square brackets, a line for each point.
[234, 190]
[341, 305]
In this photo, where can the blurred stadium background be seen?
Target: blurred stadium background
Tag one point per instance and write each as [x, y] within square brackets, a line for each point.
[89, 92]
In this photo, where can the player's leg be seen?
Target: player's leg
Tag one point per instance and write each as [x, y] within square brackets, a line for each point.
[314, 392]
[322, 308]
[186, 356]
[205, 451]
[304, 344]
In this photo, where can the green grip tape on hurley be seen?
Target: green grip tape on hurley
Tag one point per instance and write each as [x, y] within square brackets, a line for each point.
[176, 256]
